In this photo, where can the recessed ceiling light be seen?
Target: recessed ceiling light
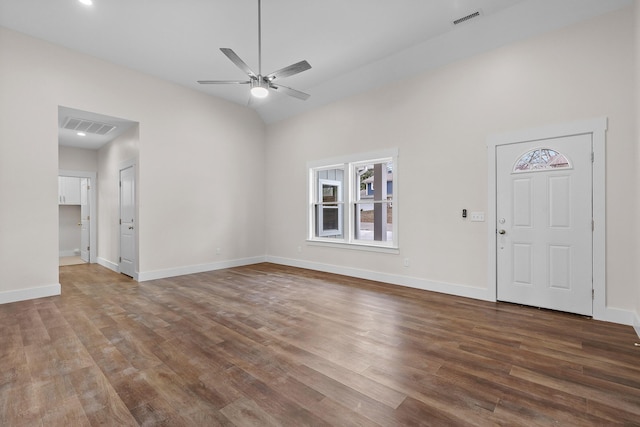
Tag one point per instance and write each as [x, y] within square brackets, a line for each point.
[86, 2]
[81, 134]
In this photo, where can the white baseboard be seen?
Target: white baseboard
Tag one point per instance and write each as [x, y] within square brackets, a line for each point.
[200, 268]
[108, 264]
[615, 315]
[30, 293]
[394, 279]
[609, 314]
[69, 253]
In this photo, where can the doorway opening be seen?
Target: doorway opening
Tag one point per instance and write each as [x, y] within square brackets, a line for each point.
[91, 147]
[76, 217]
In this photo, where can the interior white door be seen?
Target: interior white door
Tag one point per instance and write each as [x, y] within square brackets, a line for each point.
[544, 223]
[85, 218]
[127, 221]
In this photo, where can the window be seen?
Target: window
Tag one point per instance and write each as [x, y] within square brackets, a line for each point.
[354, 201]
[329, 208]
[541, 159]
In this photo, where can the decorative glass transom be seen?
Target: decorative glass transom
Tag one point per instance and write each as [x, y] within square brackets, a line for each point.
[541, 159]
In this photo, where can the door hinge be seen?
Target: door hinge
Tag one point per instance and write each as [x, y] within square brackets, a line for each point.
[88, 217]
[119, 259]
[87, 247]
[120, 183]
[120, 221]
[593, 225]
[593, 294]
[88, 187]
[593, 156]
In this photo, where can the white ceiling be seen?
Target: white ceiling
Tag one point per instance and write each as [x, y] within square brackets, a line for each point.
[352, 45]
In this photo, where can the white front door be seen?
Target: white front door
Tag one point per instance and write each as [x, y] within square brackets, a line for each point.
[544, 223]
[127, 221]
[85, 217]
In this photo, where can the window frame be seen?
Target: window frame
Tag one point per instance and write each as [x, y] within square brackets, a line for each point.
[350, 193]
[320, 203]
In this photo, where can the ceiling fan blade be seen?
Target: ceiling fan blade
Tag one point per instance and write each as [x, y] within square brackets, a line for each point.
[239, 62]
[224, 82]
[291, 92]
[296, 68]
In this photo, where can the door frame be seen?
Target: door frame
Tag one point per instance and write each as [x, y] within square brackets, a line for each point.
[597, 129]
[132, 163]
[93, 213]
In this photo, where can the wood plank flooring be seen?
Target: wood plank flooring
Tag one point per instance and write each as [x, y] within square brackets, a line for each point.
[268, 345]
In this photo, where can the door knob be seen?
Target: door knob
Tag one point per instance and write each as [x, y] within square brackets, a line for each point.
[502, 232]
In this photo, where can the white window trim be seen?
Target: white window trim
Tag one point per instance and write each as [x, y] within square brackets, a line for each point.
[348, 163]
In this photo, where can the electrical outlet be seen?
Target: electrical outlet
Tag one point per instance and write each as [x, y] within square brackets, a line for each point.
[405, 262]
[477, 216]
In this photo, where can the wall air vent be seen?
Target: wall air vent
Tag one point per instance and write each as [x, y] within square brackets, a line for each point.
[467, 18]
[88, 126]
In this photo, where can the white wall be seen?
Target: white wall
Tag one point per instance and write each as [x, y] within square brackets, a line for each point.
[637, 138]
[200, 158]
[77, 159]
[110, 158]
[440, 122]
[28, 178]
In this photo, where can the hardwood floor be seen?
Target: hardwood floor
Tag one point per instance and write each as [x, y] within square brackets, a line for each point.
[267, 345]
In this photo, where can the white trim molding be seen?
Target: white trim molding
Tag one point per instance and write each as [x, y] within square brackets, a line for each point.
[68, 253]
[200, 268]
[108, 264]
[30, 293]
[393, 279]
[597, 128]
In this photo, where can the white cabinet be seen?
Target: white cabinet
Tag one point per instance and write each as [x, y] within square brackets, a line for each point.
[68, 190]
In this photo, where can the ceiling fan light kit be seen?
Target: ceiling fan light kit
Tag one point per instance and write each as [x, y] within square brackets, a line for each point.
[261, 85]
[258, 89]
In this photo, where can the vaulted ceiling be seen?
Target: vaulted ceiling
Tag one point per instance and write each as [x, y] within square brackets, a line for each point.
[352, 45]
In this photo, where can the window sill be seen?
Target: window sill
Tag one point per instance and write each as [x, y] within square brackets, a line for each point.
[355, 246]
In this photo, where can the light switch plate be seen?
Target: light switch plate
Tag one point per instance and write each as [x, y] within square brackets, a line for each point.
[477, 216]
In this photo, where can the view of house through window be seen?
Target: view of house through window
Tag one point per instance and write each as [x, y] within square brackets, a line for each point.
[353, 202]
[374, 202]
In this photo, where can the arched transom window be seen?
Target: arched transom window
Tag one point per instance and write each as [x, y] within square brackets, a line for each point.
[541, 159]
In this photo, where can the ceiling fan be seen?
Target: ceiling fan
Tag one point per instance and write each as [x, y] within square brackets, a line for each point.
[261, 85]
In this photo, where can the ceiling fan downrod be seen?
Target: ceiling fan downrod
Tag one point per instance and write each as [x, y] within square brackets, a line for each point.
[260, 87]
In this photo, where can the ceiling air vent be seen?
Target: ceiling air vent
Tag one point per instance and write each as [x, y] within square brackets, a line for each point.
[88, 126]
[467, 18]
